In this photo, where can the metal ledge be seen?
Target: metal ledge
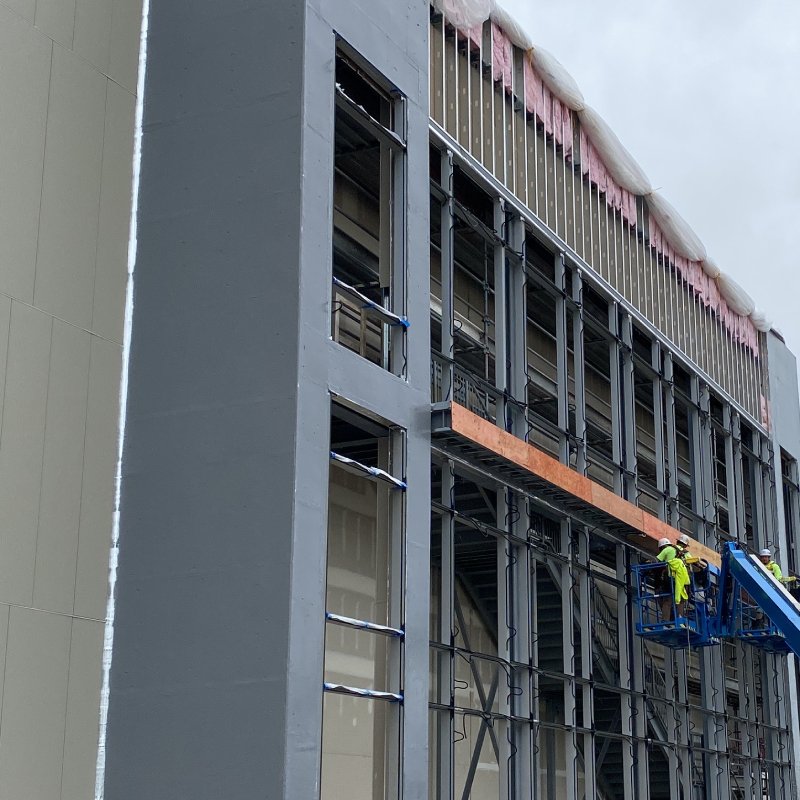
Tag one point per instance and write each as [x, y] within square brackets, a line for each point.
[475, 441]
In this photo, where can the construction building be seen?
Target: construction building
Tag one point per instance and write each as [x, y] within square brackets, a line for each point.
[345, 381]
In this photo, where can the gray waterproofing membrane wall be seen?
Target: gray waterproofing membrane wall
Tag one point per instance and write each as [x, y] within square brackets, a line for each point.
[216, 678]
[784, 405]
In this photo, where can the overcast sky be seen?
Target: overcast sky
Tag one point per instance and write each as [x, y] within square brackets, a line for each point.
[706, 95]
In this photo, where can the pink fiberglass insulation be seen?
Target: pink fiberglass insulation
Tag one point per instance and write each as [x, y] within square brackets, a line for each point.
[554, 115]
[594, 169]
[706, 290]
[474, 34]
[502, 56]
[765, 421]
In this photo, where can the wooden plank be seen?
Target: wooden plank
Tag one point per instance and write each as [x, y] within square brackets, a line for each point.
[544, 466]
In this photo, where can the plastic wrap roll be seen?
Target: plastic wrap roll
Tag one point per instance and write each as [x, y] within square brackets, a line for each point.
[760, 320]
[619, 162]
[557, 79]
[465, 13]
[736, 297]
[710, 268]
[677, 230]
[515, 32]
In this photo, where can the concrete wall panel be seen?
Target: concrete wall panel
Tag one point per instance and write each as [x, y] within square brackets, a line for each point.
[92, 37]
[21, 449]
[25, 8]
[97, 492]
[111, 273]
[5, 329]
[4, 613]
[65, 263]
[56, 18]
[34, 705]
[65, 186]
[123, 65]
[24, 81]
[83, 709]
[60, 500]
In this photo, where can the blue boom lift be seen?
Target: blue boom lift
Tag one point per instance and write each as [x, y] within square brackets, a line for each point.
[741, 600]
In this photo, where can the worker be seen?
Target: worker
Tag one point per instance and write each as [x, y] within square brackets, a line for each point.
[693, 563]
[668, 555]
[765, 557]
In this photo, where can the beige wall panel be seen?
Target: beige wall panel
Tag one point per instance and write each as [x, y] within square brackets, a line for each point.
[25, 8]
[126, 25]
[60, 503]
[56, 18]
[5, 328]
[115, 210]
[99, 467]
[71, 190]
[24, 80]
[34, 705]
[4, 612]
[83, 710]
[93, 31]
[21, 450]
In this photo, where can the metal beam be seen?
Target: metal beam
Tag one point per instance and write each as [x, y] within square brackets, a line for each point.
[617, 420]
[500, 313]
[446, 723]
[562, 369]
[673, 511]
[579, 365]
[628, 411]
[447, 225]
[658, 427]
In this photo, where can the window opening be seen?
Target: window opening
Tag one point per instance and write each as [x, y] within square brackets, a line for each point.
[364, 629]
[368, 219]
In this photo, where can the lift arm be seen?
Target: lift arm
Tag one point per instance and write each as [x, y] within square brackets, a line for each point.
[745, 569]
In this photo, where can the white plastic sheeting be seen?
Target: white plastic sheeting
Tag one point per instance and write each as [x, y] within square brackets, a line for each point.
[736, 297]
[619, 163]
[515, 32]
[465, 13]
[710, 268]
[683, 239]
[556, 78]
[761, 321]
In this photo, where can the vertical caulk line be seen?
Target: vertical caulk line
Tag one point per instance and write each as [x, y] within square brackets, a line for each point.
[108, 636]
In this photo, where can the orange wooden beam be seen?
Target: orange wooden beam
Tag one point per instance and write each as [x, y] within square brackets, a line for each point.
[530, 458]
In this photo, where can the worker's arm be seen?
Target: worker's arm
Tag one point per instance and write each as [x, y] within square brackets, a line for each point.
[776, 571]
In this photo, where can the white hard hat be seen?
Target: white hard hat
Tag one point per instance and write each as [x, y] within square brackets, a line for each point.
[663, 542]
[765, 552]
[683, 539]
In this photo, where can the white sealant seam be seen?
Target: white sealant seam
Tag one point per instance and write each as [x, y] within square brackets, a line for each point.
[113, 557]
